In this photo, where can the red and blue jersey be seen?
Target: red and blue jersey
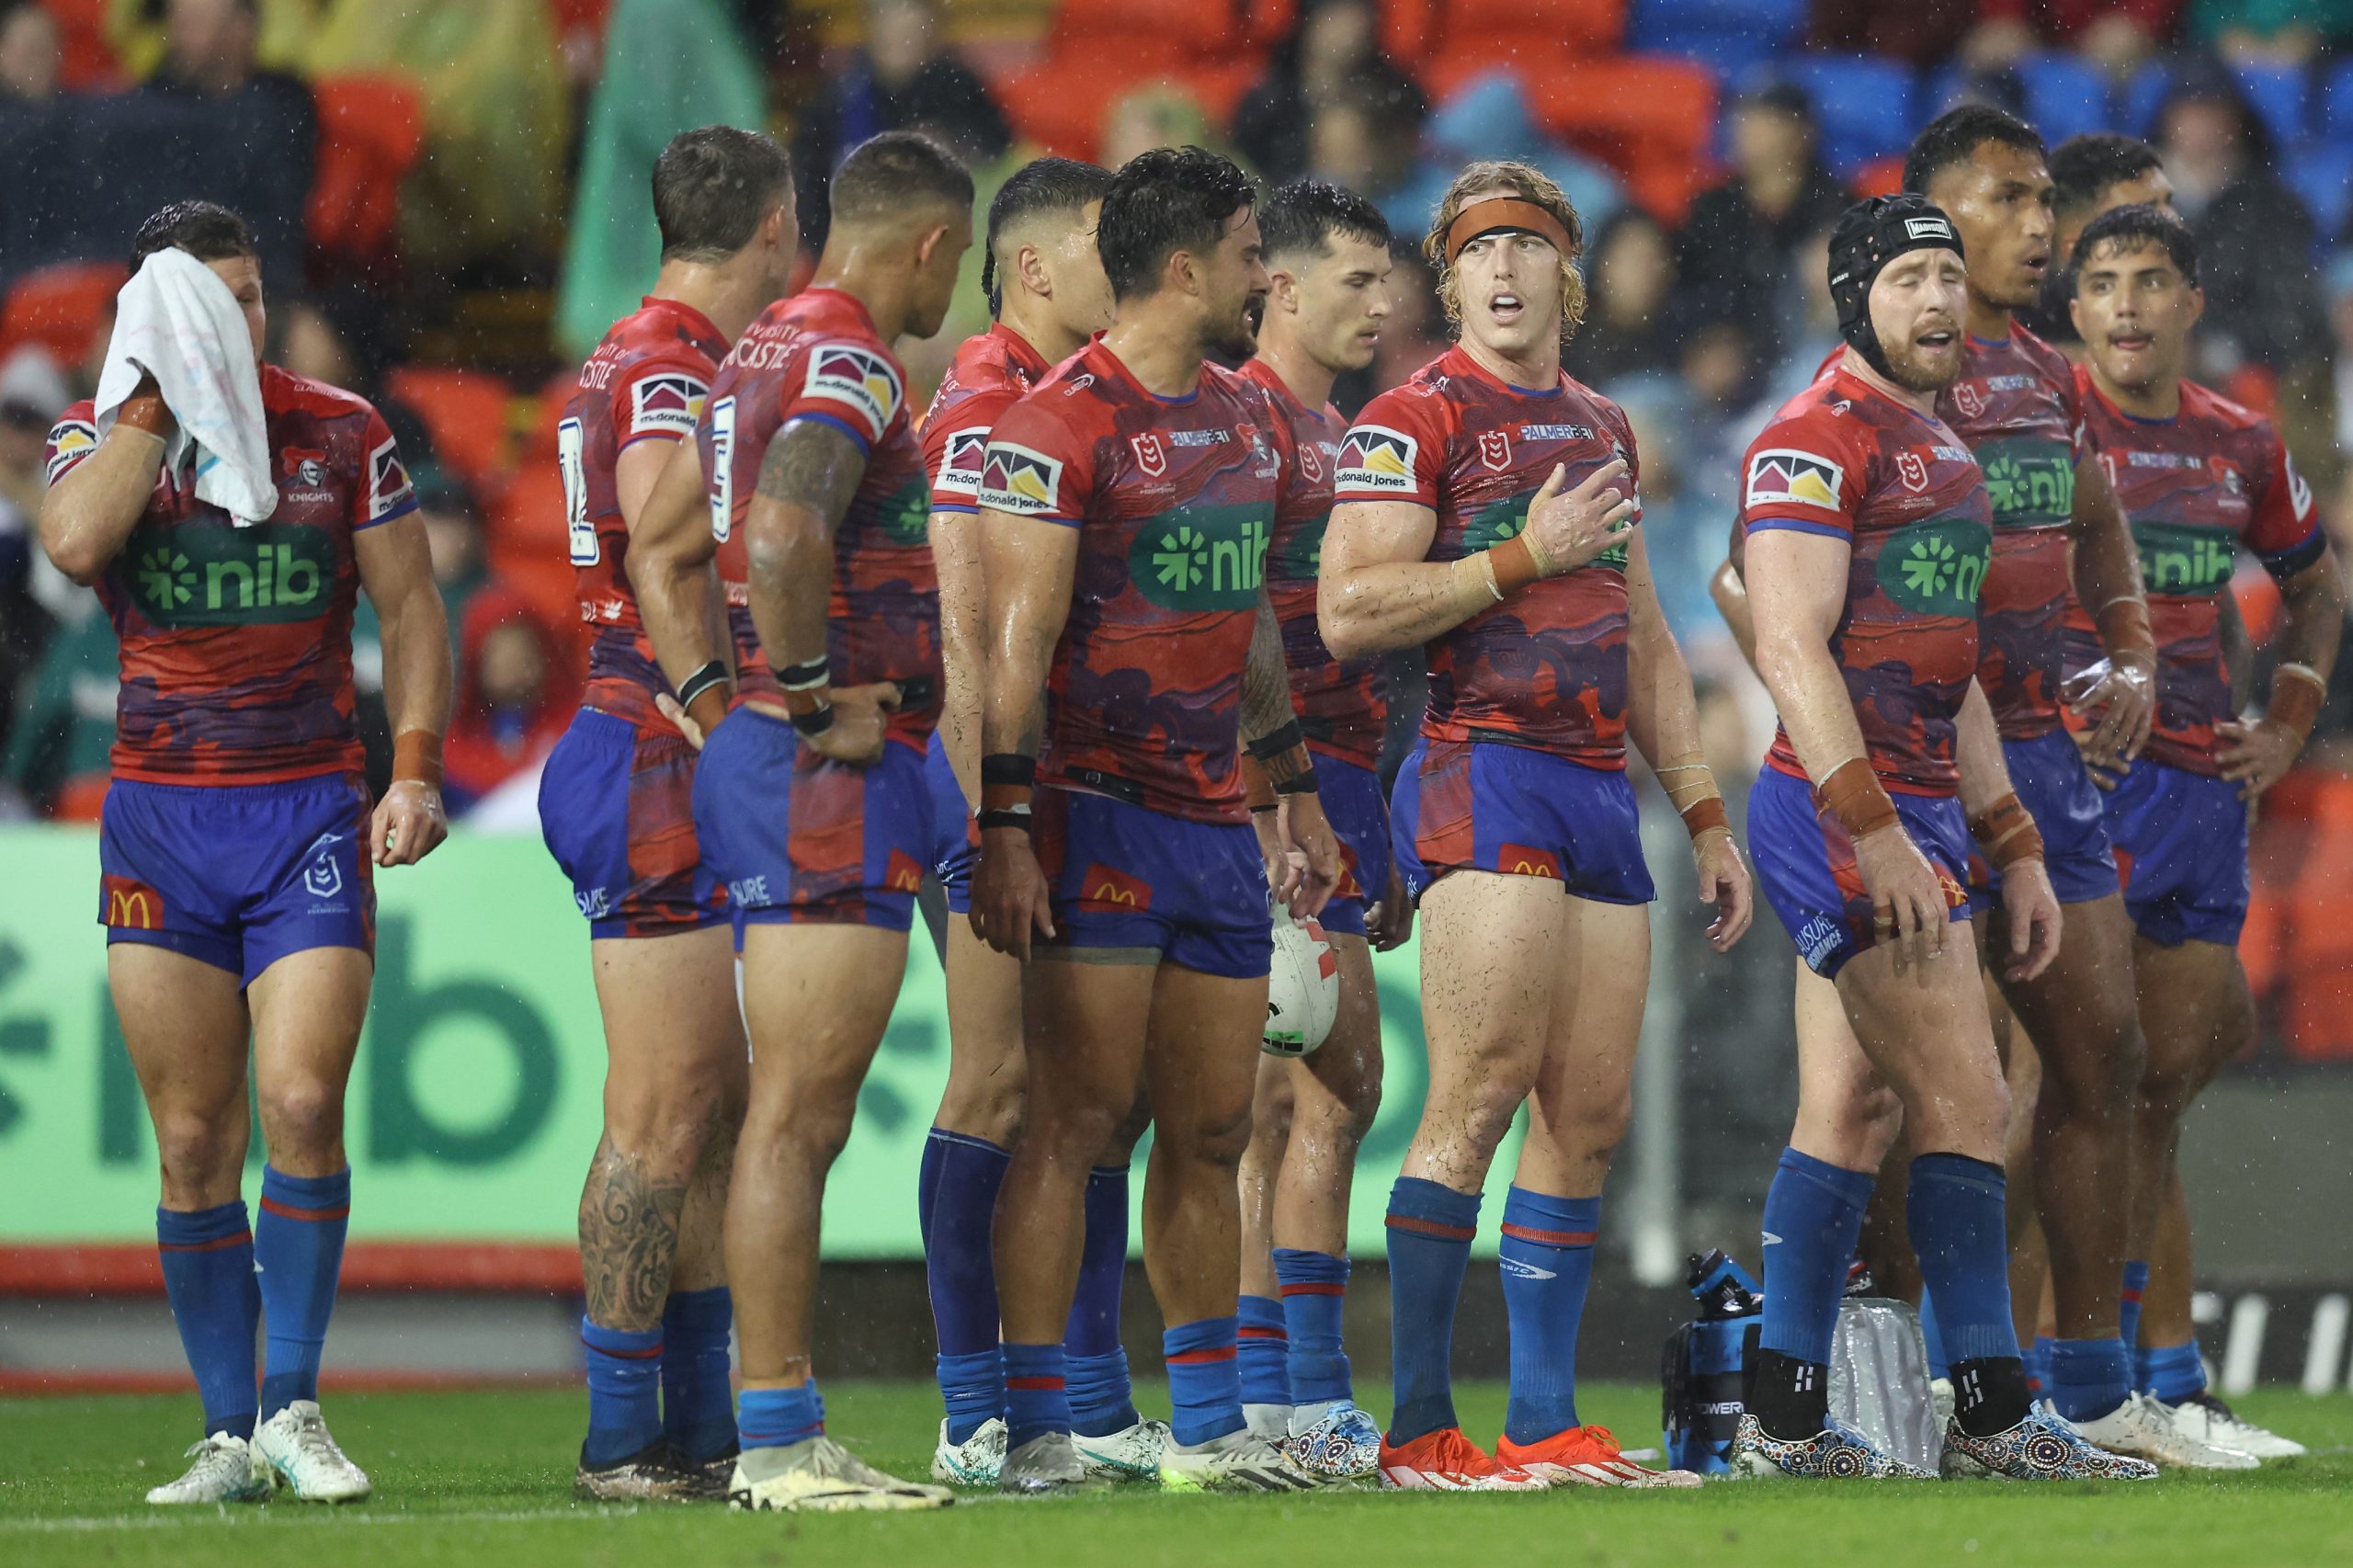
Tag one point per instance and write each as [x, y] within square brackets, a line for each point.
[236, 641]
[2016, 406]
[2194, 488]
[647, 380]
[1546, 667]
[1845, 460]
[1342, 704]
[816, 356]
[1174, 502]
[989, 374]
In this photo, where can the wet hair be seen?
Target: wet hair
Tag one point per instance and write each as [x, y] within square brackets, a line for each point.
[2087, 167]
[1308, 214]
[712, 188]
[2140, 226]
[206, 230]
[1526, 183]
[1162, 201]
[1954, 135]
[896, 175]
[1060, 188]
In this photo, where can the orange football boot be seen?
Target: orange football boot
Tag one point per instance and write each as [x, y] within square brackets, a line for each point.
[1446, 1460]
[1585, 1455]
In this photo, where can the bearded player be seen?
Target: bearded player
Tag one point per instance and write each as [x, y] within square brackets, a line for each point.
[1045, 285]
[1867, 530]
[1487, 509]
[1327, 258]
[238, 842]
[615, 805]
[809, 797]
[2200, 478]
[1126, 503]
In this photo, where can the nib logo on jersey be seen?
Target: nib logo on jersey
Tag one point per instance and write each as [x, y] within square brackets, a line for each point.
[2031, 483]
[1937, 567]
[2189, 561]
[1202, 557]
[204, 573]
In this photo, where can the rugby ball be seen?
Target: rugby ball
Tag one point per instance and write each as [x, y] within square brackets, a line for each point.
[1302, 988]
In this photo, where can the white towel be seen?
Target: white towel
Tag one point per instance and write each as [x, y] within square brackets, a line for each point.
[177, 322]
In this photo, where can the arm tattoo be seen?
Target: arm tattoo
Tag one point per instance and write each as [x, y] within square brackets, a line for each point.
[812, 464]
[1265, 679]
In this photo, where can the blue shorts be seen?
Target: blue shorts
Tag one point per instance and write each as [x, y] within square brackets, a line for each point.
[2057, 791]
[954, 838]
[1126, 876]
[1359, 819]
[238, 875]
[1491, 806]
[617, 810]
[1806, 864]
[2181, 844]
[797, 838]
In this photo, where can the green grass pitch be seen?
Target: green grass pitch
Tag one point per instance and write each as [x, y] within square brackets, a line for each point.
[485, 1478]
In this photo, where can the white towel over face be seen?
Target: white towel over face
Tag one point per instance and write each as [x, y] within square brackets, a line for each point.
[176, 321]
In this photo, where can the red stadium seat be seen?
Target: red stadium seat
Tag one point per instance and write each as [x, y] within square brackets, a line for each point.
[1264, 22]
[1408, 29]
[1582, 26]
[62, 307]
[1060, 105]
[87, 61]
[467, 412]
[1651, 118]
[371, 130]
[1203, 30]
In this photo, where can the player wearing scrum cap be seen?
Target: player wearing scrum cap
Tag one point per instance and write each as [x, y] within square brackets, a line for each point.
[1487, 509]
[1866, 531]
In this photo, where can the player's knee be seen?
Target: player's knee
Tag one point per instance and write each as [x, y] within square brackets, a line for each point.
[1873, 1122]
[2100, 1076]
[1270, 1114]
[1129, 1131]
[1073, 1130]
[670, 1125]
[197, 1150]
[302, 1116]
[1214, 1135]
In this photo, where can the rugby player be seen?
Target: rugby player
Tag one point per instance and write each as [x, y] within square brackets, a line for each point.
[615, 805]
[2089, 174]
[238, 844]
[1126, 503]
[1866, 531]
[2199, 477]
[809, 797]
[1487, 508]
[1046, 288]
[1328, 256]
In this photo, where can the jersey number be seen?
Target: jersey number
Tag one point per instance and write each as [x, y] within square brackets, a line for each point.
[571, 442]
[722, 469]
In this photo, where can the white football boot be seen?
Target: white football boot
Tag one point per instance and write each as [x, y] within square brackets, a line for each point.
[974, 1461]
[2203, 1418]
[2148, 1430]
[1235, 1462]
[226, 1470]
[295, 1444]
[820, 1476]
[1131, 1453]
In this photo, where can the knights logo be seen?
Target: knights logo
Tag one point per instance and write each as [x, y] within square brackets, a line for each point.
[1151, 455]
[305, 467]
[1494, 449]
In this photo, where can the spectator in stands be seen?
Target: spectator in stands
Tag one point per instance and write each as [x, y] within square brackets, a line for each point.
[1332, 45]
[1627, 328]
[903, 78]
[1487, 117]
[1734, 255]
[453, 533]
[28, 53]
[1353, 143]
[249, 137]
[2118, 35]
[32, 395]
[1920, 33]
[516, 694]
[1151, 116]
[2255, 235]
[2276, 32]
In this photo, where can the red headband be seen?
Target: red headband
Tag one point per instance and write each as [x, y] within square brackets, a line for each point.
[1504, 212]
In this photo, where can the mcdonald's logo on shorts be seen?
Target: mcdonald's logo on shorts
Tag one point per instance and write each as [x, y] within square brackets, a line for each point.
[130, 905]
[903, 874]
[1519, 860]
[1107, 891]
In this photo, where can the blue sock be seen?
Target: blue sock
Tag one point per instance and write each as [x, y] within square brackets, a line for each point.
[2128, 1303]
[1204, 1379]
[1937, 1366]
[1101, 1401]
[1036, 1392]
[776, 1418]
[1955, 1212]
[2173, 1374]
[1264, 1351]
[959, 1181]
[698, 1413]
[298, 1250]
[1546, 1256]
[624, 1392]
[2084, 1379]
[1315, 1291]
[209, 1276]
[2037, 1359]
[1430, 1230]
[1814, 1215]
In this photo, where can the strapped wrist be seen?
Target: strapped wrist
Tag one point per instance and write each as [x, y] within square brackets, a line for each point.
[416, 759]
[2298, 692]
[1852, 793]
[2005, 832]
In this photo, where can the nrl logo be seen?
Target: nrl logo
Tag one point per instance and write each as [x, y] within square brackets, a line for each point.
[1970, 402]
[1494, 449]
[1911, 468]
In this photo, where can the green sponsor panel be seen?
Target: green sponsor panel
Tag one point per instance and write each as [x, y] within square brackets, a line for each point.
[1202, 557]
[1937, 567]
[215, 574]
[2029, 479]
[1507, 519]
[2186, 561]
[474, 1105]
